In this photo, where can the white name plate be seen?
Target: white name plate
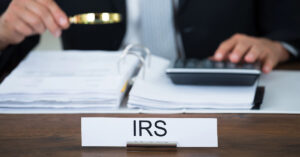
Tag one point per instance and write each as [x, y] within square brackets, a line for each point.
[117, 132]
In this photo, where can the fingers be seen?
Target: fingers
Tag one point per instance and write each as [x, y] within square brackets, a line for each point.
[254, 54]
[224, 49]
[239, 51]
[18, 32]
[46, 18]
[28, 17]
[32, 20]
[60, 17]
[269, 64]
[13, 30]
[235, 48]
[23, 18]
[250, 49]
[22, 28]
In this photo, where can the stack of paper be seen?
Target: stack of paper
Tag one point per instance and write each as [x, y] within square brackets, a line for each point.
[156, 91]
[71, 79]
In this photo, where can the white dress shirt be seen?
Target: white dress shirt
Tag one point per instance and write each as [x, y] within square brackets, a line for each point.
[150, 23]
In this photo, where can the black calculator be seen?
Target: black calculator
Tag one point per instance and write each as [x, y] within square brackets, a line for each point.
[208, 72]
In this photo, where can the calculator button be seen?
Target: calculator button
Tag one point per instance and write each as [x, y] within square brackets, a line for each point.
[219, 65]
[248, 66]
[191, 63]
[207, 64]
[230, 65]
[179, 64]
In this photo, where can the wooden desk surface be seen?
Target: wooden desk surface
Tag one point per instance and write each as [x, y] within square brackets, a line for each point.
[242, 135]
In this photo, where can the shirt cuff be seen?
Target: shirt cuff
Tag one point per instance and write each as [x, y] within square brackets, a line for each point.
[291, 49]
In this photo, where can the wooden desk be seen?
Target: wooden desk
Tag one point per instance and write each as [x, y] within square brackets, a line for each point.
[295, 65]
[242, 135]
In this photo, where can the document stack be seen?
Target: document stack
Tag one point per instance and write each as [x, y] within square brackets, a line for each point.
[157, 92]
[71, 79]
[97, 80]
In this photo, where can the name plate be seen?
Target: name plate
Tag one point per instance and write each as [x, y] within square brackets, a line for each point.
[118, 132]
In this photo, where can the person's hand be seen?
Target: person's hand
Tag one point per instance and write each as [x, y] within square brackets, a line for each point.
[28, 17]
[250, 49]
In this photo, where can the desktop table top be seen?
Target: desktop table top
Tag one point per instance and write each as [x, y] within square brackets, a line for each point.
[239, 135]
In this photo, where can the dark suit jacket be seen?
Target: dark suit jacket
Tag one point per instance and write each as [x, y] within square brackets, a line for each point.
[203, 24]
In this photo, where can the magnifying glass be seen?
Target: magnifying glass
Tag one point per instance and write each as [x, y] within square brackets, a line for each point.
[96, 18]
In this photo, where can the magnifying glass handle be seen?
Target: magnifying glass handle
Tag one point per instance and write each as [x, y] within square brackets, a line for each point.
[96, 18]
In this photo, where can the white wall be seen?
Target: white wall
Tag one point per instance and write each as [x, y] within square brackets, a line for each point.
[49, 42]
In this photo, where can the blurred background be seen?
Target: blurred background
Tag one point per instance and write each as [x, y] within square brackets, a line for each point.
[49, 42]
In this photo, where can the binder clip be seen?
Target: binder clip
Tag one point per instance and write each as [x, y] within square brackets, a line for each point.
[140, 51]
[151, 146]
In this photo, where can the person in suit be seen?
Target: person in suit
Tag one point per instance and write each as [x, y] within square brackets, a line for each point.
[248, 30]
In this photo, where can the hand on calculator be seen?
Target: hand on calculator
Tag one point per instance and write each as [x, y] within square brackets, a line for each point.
[243, 48]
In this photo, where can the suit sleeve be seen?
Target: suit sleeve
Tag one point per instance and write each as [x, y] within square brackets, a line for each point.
[279, 20]
[11, 56]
